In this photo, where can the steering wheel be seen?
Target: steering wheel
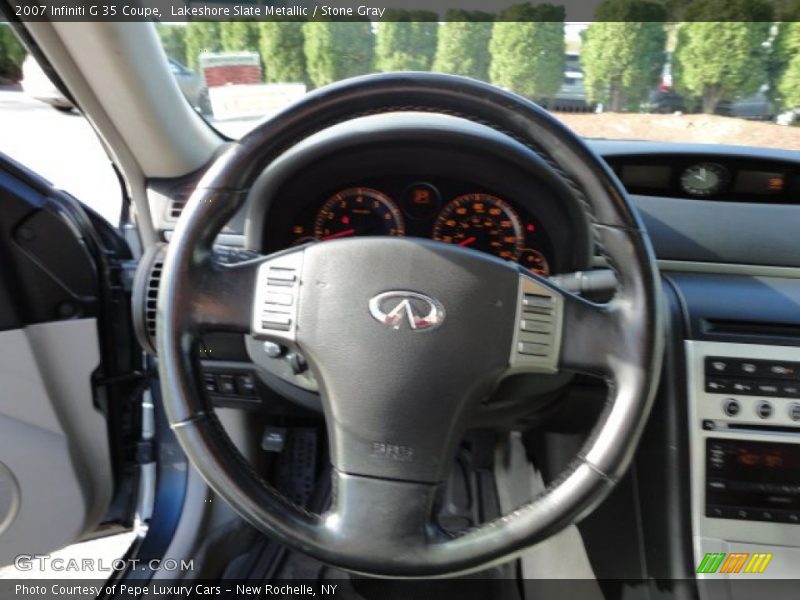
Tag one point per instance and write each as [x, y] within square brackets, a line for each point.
[406, 337]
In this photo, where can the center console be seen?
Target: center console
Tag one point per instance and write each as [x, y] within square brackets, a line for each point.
[744, 423]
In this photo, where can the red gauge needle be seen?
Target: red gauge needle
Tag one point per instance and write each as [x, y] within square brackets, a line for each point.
[468, 241]
[344, 233]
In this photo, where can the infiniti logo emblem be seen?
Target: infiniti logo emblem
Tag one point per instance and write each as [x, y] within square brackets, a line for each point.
[419, 311]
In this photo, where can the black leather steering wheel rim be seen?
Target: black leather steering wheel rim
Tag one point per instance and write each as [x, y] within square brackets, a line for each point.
[196, 292]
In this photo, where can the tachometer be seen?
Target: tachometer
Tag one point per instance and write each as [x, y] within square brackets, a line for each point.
[358, 211]
[481, 222]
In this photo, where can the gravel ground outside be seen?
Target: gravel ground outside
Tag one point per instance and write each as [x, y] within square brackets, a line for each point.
[701, 129]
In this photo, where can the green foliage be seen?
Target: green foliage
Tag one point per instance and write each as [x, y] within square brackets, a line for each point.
[717, 61]
[173, 39]
[239, 36]
[527, 50]
[406, 40]
[201, 36]
[786, 62]
[12, 53]
[785, 47]
[463, 44]
[623, 52]
[337, 49]
[281, 46]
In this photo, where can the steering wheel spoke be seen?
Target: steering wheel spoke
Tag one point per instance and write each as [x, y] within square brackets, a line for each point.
[222, 295]
[592, 336]
[381, 516]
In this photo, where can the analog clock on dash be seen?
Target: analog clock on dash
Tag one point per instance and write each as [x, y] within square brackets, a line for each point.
[704, 179]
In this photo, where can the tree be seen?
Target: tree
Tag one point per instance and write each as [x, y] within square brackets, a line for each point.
[337, 49]
[623, 52]
[783, 49]
[527, 50]
[463, 44]
[789, 84]
[406, 40]
[173, 39]
[720, 55]
[281, 47]
[238, 36]
[12, 53]
[201, 36]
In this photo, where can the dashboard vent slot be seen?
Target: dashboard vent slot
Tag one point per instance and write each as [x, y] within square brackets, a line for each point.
[145, 296]
[751, 328]
[176, 208]
[180, 196]
[151, 299]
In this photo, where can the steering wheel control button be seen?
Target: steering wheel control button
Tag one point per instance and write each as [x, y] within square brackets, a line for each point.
[537, 338]
[764, 409]
[278, 321]
[794, 411]
[281, 277]
[533, 303]
[731, 407]
[279, 299]
[277, 291]
[534, 349]
[535, 326]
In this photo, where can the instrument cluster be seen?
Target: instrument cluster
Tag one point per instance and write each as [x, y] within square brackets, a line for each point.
[442, 211]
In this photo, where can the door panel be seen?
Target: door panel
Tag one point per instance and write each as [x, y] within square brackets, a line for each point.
[69, 405]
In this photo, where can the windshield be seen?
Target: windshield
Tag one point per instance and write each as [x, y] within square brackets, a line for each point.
[725, 82]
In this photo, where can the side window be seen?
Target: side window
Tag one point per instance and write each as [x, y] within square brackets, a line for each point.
[42, 130]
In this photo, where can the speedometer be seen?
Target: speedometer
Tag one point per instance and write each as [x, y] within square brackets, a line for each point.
[481, 222]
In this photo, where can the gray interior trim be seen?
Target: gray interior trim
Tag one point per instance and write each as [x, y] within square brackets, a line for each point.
[730, 232]
[52, 438]
[688, 266]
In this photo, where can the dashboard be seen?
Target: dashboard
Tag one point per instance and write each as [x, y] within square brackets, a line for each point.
[721, 178]
[723, 223]
[445, 210]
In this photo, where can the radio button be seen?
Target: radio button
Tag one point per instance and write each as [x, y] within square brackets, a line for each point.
[719, 366]
[717, 386]
[731, 407]
[764, 409]
[790, 390]
[743, 387]
[750, 368]
[716, 512]
[783, 370]
[767, 389]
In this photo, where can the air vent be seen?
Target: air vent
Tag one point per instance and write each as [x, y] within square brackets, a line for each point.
[151, 292]
[180, 196]
[145, 296]
[727, 327]
[176, 208]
